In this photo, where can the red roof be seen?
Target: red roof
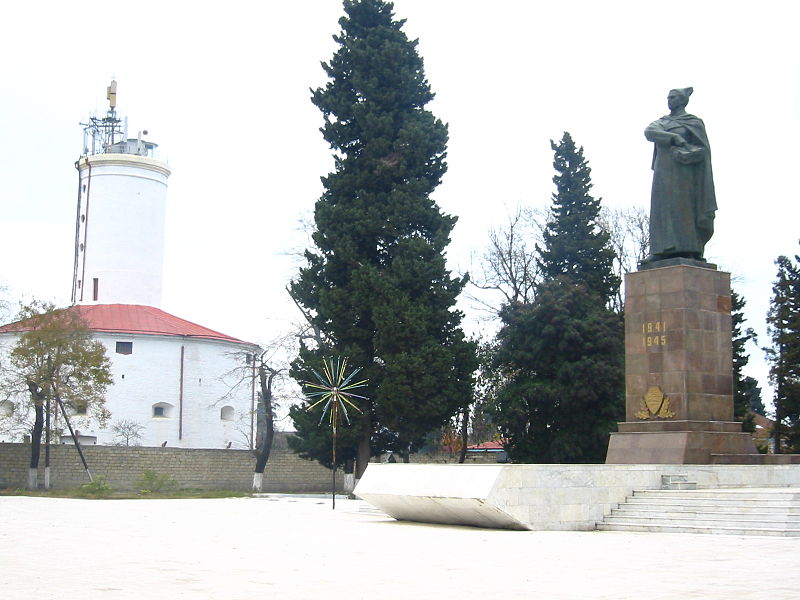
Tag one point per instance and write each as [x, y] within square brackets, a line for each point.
[494, 445]
[133, 318]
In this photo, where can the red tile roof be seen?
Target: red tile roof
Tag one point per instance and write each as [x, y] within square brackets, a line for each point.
[494, 445]
[133, 318]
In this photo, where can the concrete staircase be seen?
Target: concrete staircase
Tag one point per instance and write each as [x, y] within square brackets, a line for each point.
[733, 511]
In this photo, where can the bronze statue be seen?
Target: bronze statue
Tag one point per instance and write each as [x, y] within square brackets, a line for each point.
[683, 202]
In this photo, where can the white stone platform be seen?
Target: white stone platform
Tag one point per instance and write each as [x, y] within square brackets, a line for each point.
[298, 548]
[537, 497]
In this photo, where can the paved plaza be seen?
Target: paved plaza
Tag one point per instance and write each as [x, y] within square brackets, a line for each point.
[250, 548]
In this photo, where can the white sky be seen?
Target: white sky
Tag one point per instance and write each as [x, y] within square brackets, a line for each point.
[223, 88]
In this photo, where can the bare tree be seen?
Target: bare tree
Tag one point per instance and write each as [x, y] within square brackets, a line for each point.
[629, 233]
[5, 305]
[266, 370]
[509, 265]
[127, 432]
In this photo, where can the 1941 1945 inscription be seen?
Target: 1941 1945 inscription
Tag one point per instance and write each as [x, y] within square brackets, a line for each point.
[654, 333]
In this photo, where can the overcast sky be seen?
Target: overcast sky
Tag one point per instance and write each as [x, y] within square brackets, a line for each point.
[223, 88]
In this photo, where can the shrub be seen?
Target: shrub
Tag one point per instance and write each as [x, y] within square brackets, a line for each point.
[153, 482]
[98, 488]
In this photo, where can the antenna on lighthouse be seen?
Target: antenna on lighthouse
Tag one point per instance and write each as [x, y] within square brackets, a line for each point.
[101, 134]
[111, 94]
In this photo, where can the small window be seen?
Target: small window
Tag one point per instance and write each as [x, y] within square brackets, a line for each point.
[162, 410]
[96, 288]
[226, 413]
[124, 347]
[81, 408]
[83, 220]
[6, 408]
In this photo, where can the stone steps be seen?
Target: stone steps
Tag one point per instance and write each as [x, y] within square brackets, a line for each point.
[700, 500]
[731, 511]
[635, 527]
[726, 494]
[717, 520]
[754, 509]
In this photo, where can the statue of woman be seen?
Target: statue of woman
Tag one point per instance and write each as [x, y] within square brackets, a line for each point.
[683, 202]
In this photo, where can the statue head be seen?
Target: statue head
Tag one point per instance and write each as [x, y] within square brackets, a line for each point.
[679, 97]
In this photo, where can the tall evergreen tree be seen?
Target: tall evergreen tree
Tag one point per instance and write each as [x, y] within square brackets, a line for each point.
[783, 327]
[575, 244]
[561, 356]
[376, 285]
[743, 389]
[752, 390]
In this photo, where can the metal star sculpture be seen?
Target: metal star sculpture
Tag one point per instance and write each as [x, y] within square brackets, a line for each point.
[334, 390]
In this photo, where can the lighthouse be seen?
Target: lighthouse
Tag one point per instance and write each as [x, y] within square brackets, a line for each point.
[176, 383]
[119, 230]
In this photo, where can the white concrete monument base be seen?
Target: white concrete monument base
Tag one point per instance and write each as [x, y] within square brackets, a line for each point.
[538, 497]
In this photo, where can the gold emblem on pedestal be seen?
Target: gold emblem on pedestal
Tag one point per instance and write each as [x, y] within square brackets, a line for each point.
[655, 405]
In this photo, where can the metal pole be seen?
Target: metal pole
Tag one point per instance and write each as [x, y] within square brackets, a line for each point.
[47, 446]
[333, 454]
[74, 438]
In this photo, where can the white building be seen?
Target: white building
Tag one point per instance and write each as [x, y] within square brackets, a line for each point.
[173, 379]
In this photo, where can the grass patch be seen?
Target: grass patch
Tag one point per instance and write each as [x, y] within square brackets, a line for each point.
[79, 492]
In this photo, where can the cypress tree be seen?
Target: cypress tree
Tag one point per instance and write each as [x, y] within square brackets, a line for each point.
[561, 356]
[783, 327]
[575, 245]
[376, 285]
[743, 389]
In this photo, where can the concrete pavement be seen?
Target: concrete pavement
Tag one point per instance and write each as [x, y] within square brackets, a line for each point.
[247, 548]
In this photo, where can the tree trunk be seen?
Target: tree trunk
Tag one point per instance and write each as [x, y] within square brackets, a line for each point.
[349, 477]
[36, 446]
[363, 451]
[47, 447]
[265, 431]
[462, 455]
[778, 416]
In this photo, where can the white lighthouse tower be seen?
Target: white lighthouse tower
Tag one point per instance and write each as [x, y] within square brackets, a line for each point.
[119, 238]
[176, 383]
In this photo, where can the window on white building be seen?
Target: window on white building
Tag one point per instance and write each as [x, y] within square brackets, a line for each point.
[162, 410]
[6, 408]
[124, 348]
[226, 413]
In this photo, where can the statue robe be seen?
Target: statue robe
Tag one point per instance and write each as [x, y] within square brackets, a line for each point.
[683, 201]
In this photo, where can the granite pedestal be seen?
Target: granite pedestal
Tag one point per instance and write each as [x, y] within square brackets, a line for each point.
[678, 368]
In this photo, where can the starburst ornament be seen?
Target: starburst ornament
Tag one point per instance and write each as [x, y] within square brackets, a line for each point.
[334, 390]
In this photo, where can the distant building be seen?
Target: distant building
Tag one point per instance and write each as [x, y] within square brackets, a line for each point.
[494, 448]
[172, 378]
[762, 436]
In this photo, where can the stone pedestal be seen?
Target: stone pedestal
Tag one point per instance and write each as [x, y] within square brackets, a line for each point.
[678, 369]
